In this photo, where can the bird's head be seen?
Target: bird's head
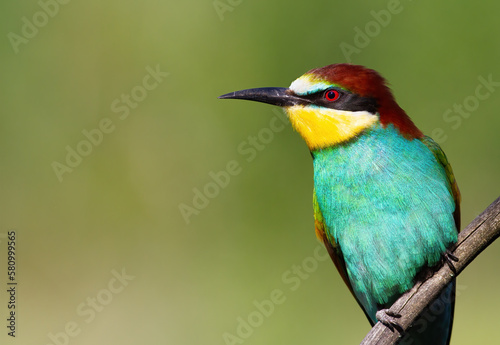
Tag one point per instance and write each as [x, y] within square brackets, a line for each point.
[334, 104]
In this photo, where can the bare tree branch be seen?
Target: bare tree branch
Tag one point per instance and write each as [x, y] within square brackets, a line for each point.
[478, 235]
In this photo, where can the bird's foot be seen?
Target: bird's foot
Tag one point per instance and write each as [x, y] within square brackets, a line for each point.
[449, 258]
[389, 318]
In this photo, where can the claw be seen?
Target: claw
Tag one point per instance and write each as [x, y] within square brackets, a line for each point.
[387, 317]
[449, 258]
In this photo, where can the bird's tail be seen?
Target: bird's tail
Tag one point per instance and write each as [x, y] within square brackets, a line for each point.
[433, 326]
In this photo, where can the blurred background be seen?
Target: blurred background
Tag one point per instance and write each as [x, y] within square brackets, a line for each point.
[149, 212]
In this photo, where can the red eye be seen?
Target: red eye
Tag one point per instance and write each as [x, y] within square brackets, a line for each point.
[332, 95]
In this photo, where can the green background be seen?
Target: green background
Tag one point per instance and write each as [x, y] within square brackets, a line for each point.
[119, 208]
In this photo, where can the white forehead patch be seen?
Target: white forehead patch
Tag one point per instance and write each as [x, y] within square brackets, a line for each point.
[304, 85]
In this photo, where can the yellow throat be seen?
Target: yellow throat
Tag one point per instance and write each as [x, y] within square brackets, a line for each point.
[324, 127]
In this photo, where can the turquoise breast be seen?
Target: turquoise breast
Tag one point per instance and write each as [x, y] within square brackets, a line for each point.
[387, 203]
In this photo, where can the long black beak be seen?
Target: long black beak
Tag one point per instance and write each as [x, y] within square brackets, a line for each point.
[280, 96]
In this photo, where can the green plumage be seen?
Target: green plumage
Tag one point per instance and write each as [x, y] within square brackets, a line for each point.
[387, 204]
[386, 207]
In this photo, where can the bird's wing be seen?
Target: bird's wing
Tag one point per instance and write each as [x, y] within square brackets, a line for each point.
[333, 250]
[330, 244]
[453, 187]
[452, 183]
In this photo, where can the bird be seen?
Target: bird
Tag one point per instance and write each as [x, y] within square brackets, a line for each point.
[386, 202]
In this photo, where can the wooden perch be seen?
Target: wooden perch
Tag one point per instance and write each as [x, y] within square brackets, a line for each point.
[478, 235]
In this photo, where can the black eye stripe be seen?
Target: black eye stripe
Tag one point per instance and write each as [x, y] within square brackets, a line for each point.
[345, 101]
[319, 95]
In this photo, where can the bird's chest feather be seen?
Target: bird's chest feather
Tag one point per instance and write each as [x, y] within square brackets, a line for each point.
[386, 203]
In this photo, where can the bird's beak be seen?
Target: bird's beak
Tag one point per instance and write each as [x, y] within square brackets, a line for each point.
[280, 96]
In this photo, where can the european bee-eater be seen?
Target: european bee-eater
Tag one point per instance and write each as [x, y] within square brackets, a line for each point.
[386, 203]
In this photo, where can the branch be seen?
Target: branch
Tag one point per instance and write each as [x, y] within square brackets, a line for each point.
[478, 235]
